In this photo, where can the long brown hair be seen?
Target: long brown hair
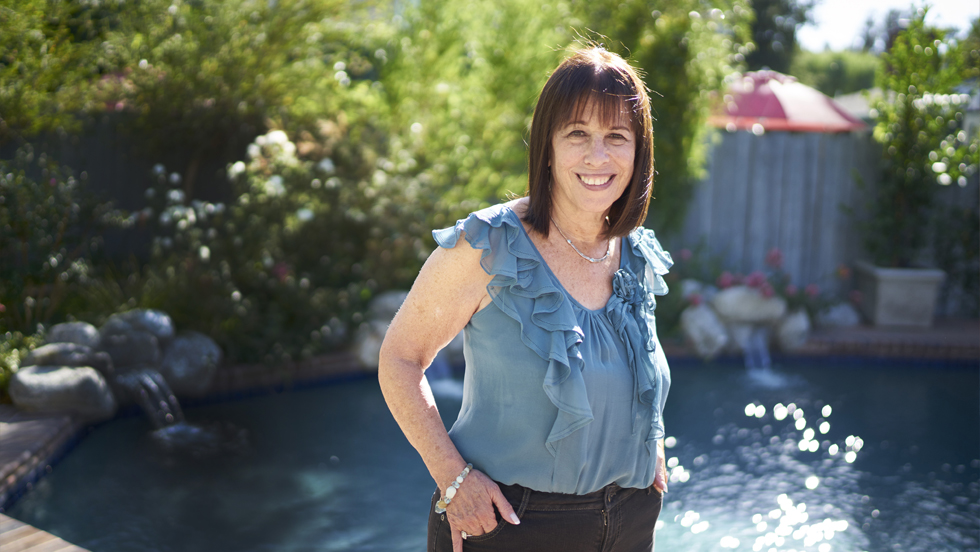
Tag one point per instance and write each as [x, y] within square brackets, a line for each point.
[591, 76]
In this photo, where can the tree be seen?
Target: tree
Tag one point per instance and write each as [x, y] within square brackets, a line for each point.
[774, 33]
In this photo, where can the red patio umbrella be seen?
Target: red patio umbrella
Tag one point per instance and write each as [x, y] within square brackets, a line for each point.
[779, 102]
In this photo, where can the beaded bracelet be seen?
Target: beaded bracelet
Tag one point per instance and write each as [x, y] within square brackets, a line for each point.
[451, 490]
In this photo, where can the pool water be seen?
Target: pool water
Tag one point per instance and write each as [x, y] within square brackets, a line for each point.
[842, 458]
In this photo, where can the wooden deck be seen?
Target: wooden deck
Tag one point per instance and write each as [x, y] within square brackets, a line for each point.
[20, 537]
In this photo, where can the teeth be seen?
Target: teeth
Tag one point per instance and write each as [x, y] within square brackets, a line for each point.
[594, 181]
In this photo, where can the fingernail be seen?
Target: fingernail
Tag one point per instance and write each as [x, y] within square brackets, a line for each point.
[514, 519]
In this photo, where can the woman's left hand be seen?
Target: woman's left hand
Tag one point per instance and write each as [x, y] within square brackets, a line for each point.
[660, 479]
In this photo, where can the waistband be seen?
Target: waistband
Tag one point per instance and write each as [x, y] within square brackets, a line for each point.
[539, 500]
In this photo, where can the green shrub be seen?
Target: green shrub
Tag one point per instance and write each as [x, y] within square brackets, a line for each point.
[835, 73]
[920, 125]
[50, 232]
[14, 346]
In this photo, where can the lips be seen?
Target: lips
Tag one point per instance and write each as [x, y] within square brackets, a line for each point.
[596, 181]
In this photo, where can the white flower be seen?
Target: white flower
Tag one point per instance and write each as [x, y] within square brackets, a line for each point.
[159, 169]
[254, 150]
[274, 186]
[945, 179]
[339, 66]
[277, 137]
[205, 253]
[939, 167]
[174, 178]
[236, 169]
[175, 196]
[304, 214]
[327, 166]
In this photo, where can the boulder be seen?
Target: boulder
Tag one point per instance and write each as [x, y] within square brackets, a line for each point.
[155, 322]
[132, 347]
[841, 315]
[190, 363]
[63, 389]
[81, 333]
[793, 330]
[70, 354]
[740, 336]
[367, 343]
[703, 330]
[742, 304]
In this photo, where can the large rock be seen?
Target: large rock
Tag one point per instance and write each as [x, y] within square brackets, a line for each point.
[70, 354]
[130, 348]
[155, 322]
[742, 304]
[704, 331]
[793, 330]
[841, 315]
[189, 363]
[63, 389]
[367, 343]
[81, 333]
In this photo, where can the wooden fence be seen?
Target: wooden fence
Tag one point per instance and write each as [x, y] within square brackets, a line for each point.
[781, 189]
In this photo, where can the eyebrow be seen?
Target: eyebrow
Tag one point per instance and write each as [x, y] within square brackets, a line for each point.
[570, 123]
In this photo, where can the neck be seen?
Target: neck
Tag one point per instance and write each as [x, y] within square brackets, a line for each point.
[584, 230]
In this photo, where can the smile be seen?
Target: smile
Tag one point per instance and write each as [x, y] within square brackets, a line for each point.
[596, 180]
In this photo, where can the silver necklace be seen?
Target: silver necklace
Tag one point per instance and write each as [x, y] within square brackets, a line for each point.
[583, 255]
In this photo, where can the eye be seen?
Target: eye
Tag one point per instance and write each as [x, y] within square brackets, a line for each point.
[618, 138]
[577, 133]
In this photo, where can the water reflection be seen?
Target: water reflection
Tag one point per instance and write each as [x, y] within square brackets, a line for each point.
[778, 481]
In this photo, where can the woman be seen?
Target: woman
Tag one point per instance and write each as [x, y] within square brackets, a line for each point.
[558, 444]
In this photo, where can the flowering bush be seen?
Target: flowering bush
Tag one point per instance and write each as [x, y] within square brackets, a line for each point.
[289, 266]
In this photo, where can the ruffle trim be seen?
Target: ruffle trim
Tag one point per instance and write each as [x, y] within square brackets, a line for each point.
[552, 331]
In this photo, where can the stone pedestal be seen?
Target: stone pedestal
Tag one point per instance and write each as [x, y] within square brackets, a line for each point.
[898, 296]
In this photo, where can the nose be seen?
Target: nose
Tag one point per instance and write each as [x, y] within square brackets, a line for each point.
[597, 154]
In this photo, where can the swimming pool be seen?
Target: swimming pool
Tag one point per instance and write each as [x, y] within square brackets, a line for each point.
[846, 457]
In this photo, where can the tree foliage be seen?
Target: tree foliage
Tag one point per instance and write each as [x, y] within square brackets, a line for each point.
[774, 33]
[920, 127]
[835, 73]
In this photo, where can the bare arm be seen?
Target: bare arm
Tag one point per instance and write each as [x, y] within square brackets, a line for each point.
[450, 288]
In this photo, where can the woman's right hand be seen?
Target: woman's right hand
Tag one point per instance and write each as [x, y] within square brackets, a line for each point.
[472, 509]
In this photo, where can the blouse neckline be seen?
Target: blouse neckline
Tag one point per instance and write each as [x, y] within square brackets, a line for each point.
[544, 263]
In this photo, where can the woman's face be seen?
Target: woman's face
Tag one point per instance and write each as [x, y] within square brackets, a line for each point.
[592, 163]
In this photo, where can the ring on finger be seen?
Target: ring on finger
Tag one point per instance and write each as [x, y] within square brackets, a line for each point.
[465, 534]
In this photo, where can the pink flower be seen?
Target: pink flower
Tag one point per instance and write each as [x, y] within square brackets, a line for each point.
[767, 290]
[695, 299]
[791, 290]
[774, 258]
[686, 254]
[725, 280]
[3, 308]
[812, 290]
[855, 297]
[756, 279]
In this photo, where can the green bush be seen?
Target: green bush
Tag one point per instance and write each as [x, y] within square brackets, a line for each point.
[286, 269]
[835, 73]
[920, 125]
[50, 232]
[14, 346]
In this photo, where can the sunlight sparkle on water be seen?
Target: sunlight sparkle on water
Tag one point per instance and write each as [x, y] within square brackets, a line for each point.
[827, 410]
[670, 442]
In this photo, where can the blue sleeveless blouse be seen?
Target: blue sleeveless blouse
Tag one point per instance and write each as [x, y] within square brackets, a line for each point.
[558, 397]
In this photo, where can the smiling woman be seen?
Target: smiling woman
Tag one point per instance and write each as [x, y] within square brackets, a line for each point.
[559, 441]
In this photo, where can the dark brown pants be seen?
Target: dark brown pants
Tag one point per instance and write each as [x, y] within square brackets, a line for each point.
[612, 519]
